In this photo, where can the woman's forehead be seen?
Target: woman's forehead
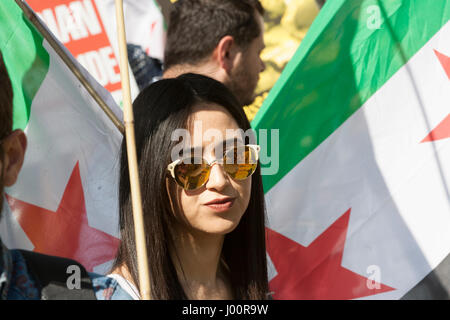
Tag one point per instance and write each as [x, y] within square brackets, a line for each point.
[212, 124]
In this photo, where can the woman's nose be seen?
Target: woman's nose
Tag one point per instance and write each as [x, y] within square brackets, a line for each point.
[217, 177]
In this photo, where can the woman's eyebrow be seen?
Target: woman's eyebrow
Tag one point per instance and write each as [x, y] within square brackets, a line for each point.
[232, 141]
[224, 144]
[193, 150]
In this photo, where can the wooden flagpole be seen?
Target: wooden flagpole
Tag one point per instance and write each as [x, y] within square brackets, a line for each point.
[141, 249]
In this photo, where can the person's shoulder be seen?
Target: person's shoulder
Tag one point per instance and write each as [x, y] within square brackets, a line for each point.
[50, 270]
[107, 288]
[51, 275]
[23, 285]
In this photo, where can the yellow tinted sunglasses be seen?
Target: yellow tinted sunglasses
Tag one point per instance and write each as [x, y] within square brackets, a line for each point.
[239, 162]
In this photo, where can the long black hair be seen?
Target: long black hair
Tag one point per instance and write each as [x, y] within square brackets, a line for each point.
[160, 109]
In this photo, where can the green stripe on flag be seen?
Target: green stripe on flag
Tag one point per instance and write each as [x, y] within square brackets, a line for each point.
[26, 59]
[340, 64]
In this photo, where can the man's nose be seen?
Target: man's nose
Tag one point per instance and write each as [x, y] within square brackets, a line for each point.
[263, 65]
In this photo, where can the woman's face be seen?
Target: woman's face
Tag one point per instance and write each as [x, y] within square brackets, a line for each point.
[210, 126]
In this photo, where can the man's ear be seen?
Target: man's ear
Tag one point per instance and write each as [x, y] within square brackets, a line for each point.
[14, 147]
[226, 52]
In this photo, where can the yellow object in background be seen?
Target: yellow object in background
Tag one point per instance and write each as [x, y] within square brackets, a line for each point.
[286, 23]
[300, 14]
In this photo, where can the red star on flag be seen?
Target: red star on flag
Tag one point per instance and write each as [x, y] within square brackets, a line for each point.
[445, 61]
[315, 272]
[442, 130]
[66, 232]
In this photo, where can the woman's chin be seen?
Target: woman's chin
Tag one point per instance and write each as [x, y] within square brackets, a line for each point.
[220, 226]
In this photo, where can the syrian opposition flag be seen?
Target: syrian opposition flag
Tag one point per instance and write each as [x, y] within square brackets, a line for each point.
[360, 205]
[65, 200]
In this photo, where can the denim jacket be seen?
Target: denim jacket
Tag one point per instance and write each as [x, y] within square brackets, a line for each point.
[16, 283]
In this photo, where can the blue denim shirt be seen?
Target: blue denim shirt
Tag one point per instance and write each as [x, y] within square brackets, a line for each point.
[16, 283]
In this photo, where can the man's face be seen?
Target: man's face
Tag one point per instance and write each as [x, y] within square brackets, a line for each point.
[245, 75]
[12, 153]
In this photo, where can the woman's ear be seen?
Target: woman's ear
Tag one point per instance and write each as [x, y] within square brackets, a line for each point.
[226, 53]
[14, 147]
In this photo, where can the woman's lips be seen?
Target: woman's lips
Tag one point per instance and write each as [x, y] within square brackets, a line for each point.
[221, 206]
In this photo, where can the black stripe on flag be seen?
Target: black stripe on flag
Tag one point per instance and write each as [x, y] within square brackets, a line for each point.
[436, 285]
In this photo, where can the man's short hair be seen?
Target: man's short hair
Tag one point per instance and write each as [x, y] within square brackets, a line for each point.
[6, 97]
[196, 27]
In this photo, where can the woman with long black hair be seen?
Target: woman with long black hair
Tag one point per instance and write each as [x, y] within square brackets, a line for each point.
[204, 222]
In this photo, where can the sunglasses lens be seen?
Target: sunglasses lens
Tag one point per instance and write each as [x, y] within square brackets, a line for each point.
[192, 173]
[240, 162]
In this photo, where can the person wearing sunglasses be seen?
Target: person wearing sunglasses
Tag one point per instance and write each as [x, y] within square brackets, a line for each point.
[204, 211]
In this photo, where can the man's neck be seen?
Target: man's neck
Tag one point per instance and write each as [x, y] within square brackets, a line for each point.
[207, 69]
